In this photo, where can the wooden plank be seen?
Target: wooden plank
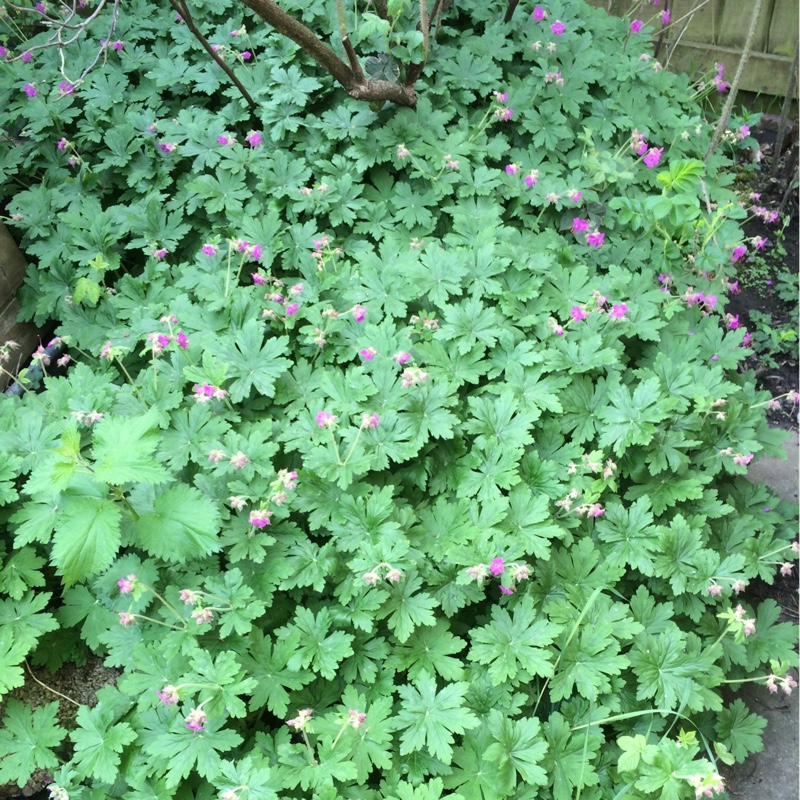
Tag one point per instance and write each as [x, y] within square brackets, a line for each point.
[24, 333]
[783, 28]
[12, 265]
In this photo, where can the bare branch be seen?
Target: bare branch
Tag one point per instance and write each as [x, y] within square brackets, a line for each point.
[512, 4]
[185, 14]
[355, 66]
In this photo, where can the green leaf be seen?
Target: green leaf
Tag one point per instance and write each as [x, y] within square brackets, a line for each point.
[315, 646]
[407, 610]
[27, 741]
[634, 749]
[514, 644]
[739, 730]
[12, 654]
[182, 525]
[87, 538]
[21, 572]
[253, 772]
[429, 718]
[123, 447]
[99, 743]
[518, 748]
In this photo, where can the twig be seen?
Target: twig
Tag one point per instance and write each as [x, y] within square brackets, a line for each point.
[512, 4]
[787, 105]
[355, 66]
[49, 688]
[726, 111]
[182, 9]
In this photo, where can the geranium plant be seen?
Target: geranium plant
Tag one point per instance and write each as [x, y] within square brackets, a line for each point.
[401, 453]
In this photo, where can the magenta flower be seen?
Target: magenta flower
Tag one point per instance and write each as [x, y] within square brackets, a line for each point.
[209, 249]
[167, 147]
[181, 339]
[402, 357]
[618, 311]
[636, 26]
[580, 225]
[3, 52]
[512, 169]
[370, 421]
[497, 566]
[575, 195]
[359, 312]
[30, 90]
[160, 253]
[558, 27]
[368, 353]
[653, 157]
[539, 13]
[531, 178]
[665, 17]
[737, 253]
[260, 518]
[225, 140]
[26, 56]
[257, 278]
[65, 87]
[253, 138]
[291, 309]
[299, 722]
[126, 619]
[733, 322]
[168, 695]
[506, 589]
[578, 314]
[195, 720]
[126, 584]
[501, 97]
[246, 55]
[239, 460]
[324, 419]
[595, 239]
[118, 45]
[63, 144]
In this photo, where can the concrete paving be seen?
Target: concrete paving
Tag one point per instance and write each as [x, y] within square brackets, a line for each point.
[773, 774]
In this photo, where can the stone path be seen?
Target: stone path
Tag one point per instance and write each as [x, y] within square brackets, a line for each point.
[773, 774]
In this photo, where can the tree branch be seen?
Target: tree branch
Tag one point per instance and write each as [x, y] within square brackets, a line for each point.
[512, 4]
[355, 66]
[182, 9]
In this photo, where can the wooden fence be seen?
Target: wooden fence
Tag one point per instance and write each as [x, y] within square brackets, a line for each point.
[716, 34]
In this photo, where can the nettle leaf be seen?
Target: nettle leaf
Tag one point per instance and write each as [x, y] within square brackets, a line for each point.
[252, 362]
[99, 743]
[122, 450]
[429, 718]
[314, 645]
[87, 537]
[183, 524]
[27, 741]
[514, 645]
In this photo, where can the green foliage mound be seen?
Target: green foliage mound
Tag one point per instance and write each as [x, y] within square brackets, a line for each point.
[403, 455]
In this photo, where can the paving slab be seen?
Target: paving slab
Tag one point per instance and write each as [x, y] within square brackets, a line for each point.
[773, 774]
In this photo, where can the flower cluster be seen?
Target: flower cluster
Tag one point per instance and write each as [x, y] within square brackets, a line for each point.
[497, 566]
[301, 720]
[706, 785]
[87, 418]
[717, 81]
[787, 683]
[373, 576]
[195, 720]
[203, 392]
[503, 112]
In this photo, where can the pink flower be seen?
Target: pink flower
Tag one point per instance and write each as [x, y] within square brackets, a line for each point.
[501, 97]
[368, 353]
[26, 56]
[497, 566]
[520, 572]
[402, 357]
[506, 589]
[118, 45]
[253, 138]
[618, 311]
[742, 459]
[412, 376]
[160, 253]
[237, 502]
[578, 314]
[168, 695]
[595, 239]
[239, 460]
[394, 575]
[747, 339]
[30, 90]
[62, 144]
[653, 157]
[370, 421]
[216, 456]
[371, 578]
[636, 26]
[595, 510]
[786, 568]
[260, 518]
[539, 13]
[247, 55]
[749, 627]
[291, 309]
[356, 718]
[167, 147]
[209, 249]
[201, 615]
[225, 140]
[299, 722]
[195, 720]
[759, 242]
[512, 169]
[257, 278]
[324, 419]
[664, 17]
[714, 589]
[579, 225]
[359, 312]
[126, 619]
[189, 597]
[126, 585]
[403, 151]
[575, 195]
[737, 253]
[733, 322]
[107, 351]
[503, 114]
[558, 27]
